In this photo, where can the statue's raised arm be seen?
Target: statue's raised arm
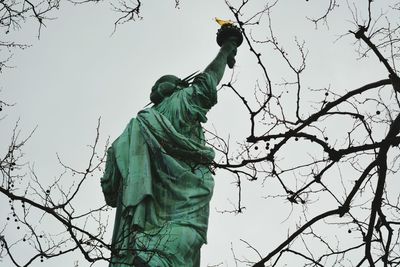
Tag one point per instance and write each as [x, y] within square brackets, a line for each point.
[157, 171]
[229, 38]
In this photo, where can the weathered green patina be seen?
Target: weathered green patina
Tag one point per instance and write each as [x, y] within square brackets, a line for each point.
[157, 172]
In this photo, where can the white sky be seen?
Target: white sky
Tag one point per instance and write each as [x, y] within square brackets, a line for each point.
[77, 72]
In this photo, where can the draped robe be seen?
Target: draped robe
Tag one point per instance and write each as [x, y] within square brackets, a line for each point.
[157, 176]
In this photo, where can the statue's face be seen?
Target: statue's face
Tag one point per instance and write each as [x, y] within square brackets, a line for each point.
[168, 86]
[164, 86]
[169, 80]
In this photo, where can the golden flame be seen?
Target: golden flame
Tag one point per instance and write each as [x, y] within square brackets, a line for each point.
[223, 22]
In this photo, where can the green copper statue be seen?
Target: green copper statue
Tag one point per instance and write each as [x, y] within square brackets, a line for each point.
[157, 171]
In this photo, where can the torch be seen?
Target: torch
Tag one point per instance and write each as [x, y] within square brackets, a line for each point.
[227, 32]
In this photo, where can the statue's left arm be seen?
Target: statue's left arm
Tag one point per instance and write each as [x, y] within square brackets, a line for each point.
[110, 182]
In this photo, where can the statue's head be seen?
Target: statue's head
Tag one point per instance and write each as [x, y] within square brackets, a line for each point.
[164, 87]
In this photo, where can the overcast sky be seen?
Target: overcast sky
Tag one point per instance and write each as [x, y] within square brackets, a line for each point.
[79, 71]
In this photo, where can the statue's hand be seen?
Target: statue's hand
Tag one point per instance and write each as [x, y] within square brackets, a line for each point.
[231, 42]
[230, 46]
[230, 60]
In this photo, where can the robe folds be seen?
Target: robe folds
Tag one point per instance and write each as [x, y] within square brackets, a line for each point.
[157, 176]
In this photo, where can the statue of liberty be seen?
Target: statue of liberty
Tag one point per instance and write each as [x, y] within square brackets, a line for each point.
[158, 173]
